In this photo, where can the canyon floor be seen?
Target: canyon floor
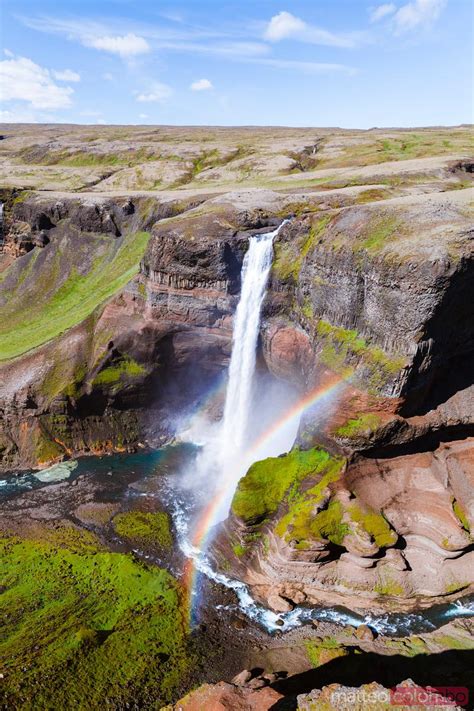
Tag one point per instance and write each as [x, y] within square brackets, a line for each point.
[120, 273]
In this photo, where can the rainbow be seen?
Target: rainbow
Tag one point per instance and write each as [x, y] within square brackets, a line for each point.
[213, 513]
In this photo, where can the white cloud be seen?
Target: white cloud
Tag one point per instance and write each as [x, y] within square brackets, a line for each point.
[67, 75]
[381, 11]
[158, 92]
[125, 45]
[143, 116]
[307, 67]
[110, 37]
[21, 79]
[8, 53]
[18, 116]
[284, 25]
[287, 26]
[201, 85]
[419, 13]
[108, 76]
[102, 122]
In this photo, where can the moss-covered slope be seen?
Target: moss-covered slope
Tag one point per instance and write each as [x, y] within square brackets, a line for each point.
[84, 626]
[46, 292]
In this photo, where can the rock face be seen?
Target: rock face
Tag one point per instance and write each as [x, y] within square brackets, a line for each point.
[401, 278]
[221, 696]
[337, 697]
[389, 527]
[395, 530]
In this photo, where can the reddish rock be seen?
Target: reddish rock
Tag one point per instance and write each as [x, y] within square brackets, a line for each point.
[226, 697]
[365, 633]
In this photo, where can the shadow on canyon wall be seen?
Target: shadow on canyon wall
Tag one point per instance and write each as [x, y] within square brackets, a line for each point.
[424, 443]
[444, 364]
[451, 668]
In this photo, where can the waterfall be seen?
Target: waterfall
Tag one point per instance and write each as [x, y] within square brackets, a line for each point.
[234, 439]
[255, 271]
[227, 449]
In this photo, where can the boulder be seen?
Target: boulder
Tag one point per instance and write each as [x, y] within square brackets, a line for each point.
[365, 633]
[242, 678]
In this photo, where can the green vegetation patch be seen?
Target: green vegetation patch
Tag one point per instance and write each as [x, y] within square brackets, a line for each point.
[375, 524]
[362, 425]
[342, 348]
[89, 159]
[371, 195]
[239, 550]
[86, 629]
[322, 651]
[289, 256]
[263, 488]
[313, 515]
[46, 449]
[461, 515]
[145, 528]
[379, 231]
[119, 371]
[448, 641]
[64, 377]
[386, 585]
[56, 295]
[404, 146]
[303, 523]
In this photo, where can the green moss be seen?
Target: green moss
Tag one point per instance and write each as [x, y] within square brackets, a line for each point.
[263, 488]
[46, 450]
[378, 232]
[313, 515]
[144, 528]
[387, 586]
[454, 586]
[63, 378]
[89, 159]
[448, 641]
[76, 540]
[408, 646]
[299, 523]
[35, 316]
[87, 629]
[119, 371]
[286, 263]
[239, 550]
[289, 256]
[371, 195]
[21, 197]
[307, 309]
[328, 524]
[375, 524]
[342, 349]
[362, 425]
[460, 515]
[322, 652]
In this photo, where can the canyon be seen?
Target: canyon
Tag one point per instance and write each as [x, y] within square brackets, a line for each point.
[120, 274]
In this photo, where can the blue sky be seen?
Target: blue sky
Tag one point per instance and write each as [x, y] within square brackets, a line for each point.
[344, 63]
